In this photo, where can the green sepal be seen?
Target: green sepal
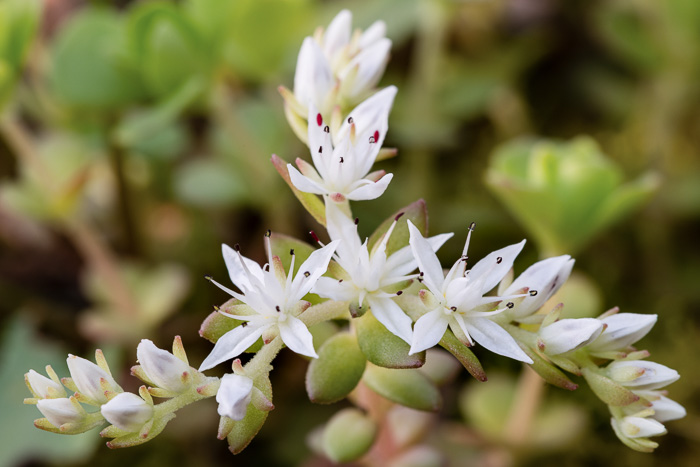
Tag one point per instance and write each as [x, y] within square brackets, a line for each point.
[348, 435]
[243, 431]
[462, 353]
[407, 387]
[608, 390]
[416, 212]
[129, 439]
[336, 371]
[549, 372]
[383, 348]
[311, 202]
[216, 325]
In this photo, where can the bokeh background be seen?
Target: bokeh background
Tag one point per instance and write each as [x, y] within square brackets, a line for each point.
[135, 138]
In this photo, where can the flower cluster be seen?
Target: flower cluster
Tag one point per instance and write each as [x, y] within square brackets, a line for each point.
[388, 295]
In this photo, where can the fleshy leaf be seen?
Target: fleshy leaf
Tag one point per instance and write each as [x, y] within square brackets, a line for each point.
[416, 212]
[383, 348]
[549, 372]
[348, 435]
[462, 353]
[608, 390]
[243, 431]
[336, 371]
[311, 202]
[407, 387]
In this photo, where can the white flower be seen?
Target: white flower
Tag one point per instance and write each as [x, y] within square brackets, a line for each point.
[275, 299]
[234, 396]
[544, 278]
[61, 411]
[127, 411]
[342, 170]
[336, 65]
[623, 330]
[641, 375]
[664, 408]
[638, 427]
[91, 380]
[162, 368]
[370, 273]
[566, 335]
[43, 386]
[458, 299]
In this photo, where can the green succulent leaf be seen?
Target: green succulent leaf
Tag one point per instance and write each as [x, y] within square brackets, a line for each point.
[336, 371]
[408, 387]
[383, 348]
[348, 435]
[416, 212]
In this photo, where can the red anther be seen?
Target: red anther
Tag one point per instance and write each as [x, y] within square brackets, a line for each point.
[376, 135]
[319, 119]
[398, 216]
[314, 236]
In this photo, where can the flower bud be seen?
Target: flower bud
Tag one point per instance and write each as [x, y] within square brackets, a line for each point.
[234, 396]
[639, 427]
[664, 408]
[568, 334]
[127, 411]
[639, 374]
[60, 411]
[43, 386]
[161, 367]
[623, 330]
[91, 380]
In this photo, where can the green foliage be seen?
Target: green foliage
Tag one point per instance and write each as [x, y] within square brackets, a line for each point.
[336, 371]
[348, 435]
[19, 21]
[383, 348]
[408, 387]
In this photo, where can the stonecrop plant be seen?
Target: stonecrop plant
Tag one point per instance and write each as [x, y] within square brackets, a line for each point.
[375, 315]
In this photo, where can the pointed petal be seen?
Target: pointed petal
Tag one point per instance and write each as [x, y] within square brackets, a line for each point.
[494, 338]
[338, 33]
[327, 287]
[236, 271]
[372, 34]
[402, 261]
[310, 270]
[566, 335]
[232, 344]
[490, 270]
[370, 64]
[427, 260]
[428, 330]
[313, 78]
[546, 277]
[320, 145]
[297, 337]
[370, 114]
[372, 190]
[666, 409]
[624, 329]
[341, 227]
[391, 316]
[303, 183]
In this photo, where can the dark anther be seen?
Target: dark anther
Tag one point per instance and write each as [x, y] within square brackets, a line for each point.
[453, 308]
[421, 274]
[342, 160]
[510, 305]
[268, 233]
[499, 260]
[472, 225]
[320, 149]
[314, 236]
[399, 292]
[357, 220]
[326, 129]
[267, 267]
[398, 216]
[208, 277]
[340, 280]
[278, 308]
[372, 140]
[237, 247]
[291, 252]
[464, 258]
[350, 120]
[307, 273]
[244, 324]
[533, 293]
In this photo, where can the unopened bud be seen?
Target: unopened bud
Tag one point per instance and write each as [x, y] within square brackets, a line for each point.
[127, 411]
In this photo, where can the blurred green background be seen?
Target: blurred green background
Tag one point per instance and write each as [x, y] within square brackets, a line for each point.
[135, 137]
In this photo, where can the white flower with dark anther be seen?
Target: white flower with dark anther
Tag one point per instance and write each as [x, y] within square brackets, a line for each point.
[641, 375]
[623, 330]
[127, 411]
[337, 66]
[566, 335]
[162, 368]
[61, 411]
[234, 395]
[546, 277]
[342, 170]
[457, 300]
[274, 298]
[44, 387]
[370, 274]
[92, 381]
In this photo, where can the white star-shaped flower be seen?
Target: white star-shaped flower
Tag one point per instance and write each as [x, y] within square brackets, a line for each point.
[370, 273]
[275, 299]
[341, 170]
[457, 300]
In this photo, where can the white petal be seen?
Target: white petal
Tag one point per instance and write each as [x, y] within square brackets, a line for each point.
[493, 337]
[127, 411]
[327, 287]
[310, 270]
[60, 411]
[370, 64]
[40, 384]
[239, 277]
[402, 261]
[87, 377]
[303, 183]
[427, 260]
[569, 334]
[372, 190]
[489, 271]
[313, 78]
[370, 114]
[638, 427]
[162, 368]
[337, 35]
[341, 227]
[234, 395]
[232, 344]
[666, 409]
[624, 329]
[372, 34]
[297, 337]
[319, 141]
[392, 317]
[428, 330]
[546, 277]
